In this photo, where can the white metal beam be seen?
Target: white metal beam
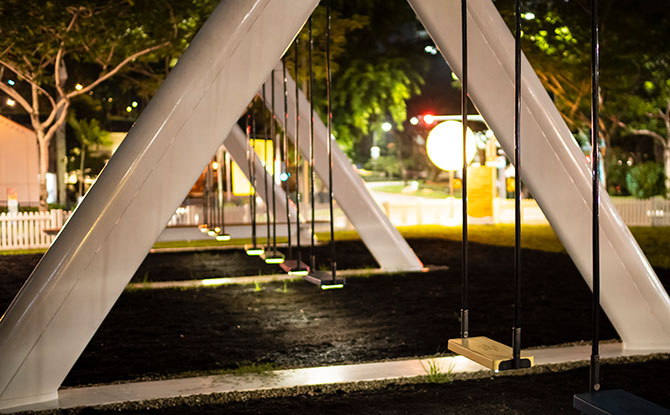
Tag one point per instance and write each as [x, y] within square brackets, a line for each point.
[72, 289]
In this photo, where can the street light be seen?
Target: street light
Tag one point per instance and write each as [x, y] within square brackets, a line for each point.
[386, 127]
[445, 148]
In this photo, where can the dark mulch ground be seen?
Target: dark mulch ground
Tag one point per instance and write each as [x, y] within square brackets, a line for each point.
[162, 333]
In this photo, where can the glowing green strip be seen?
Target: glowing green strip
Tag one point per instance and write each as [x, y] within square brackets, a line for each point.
[300, 273]
[277, 260]
[332, 286]
[223, 238]
[255, 251]
[211, 233]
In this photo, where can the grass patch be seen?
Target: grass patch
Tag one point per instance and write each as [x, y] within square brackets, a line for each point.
[434, 373]
[243, 368]
[23, 251]
[208, 243]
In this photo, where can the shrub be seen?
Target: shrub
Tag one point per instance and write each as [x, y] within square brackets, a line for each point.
[646, 180]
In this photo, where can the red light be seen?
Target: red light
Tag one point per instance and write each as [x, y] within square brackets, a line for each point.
[429, 119]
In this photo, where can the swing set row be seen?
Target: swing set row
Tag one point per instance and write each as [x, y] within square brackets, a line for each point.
[213, 205]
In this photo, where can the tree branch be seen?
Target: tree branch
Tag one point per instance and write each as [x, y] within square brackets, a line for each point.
[16, 97]
[30, 80]
[115, 70]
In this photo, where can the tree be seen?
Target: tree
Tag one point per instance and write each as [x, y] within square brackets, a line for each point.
[652, 110]
[381, 68]
[556, 36]
[89, 134]
[41, 43]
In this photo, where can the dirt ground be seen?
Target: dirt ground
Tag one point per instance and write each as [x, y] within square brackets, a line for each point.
[177, 332]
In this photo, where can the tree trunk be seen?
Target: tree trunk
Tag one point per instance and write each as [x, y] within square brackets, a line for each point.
[43, 154]
[82, 156]
[666, 162]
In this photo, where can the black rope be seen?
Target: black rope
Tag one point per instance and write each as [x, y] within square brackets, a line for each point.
[297, 155]
[274, 164]
[311, 145]
[205, 196]
[465, 323]
[595, 80]
[286, 161]
[222, 166]
[329, 139]
[265, 171]
[516, 328]
[247, 129]
[253, 173]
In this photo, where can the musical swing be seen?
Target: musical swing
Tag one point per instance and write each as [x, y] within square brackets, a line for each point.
[272, 256]
[483, 350]
[253, 249]
[294, 266]
[597, 401]
[323, 279]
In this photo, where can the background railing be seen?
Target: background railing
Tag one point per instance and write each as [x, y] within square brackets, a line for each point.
[34, 230]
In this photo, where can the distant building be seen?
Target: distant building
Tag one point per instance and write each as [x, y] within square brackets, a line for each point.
[18, 163]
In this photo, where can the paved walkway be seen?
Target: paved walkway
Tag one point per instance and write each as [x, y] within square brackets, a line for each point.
[139, 391]
[260, 279]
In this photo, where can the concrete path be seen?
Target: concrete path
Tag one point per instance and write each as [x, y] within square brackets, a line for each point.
[140, 391]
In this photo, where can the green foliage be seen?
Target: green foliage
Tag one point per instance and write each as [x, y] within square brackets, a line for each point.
[616, 176]
[646, 180]
[389, 165]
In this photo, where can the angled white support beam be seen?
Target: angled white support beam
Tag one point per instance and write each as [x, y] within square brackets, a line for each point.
[553, 168]
[236, 144]
[76, 283]
[383, 240]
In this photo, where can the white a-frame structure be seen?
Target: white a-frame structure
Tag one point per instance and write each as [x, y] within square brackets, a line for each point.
[77, 282]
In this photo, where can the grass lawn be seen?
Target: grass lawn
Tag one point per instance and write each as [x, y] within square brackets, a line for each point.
[654, 241]
[429, 191]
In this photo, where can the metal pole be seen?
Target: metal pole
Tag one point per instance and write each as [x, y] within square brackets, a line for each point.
[595, 80]
[465, 323]
[516, 328]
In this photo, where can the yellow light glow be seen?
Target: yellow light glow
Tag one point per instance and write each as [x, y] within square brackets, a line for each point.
[11, 102]
[79, 87]
[215, 165]
[445, 145]
[128, 109]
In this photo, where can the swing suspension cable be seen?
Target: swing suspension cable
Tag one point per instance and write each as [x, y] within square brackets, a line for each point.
[516, 328]
[465, 323]
[311, 145]
[286, 161]
[297, 154]
[595, 82]
[252, 158]
[265, 171]
[274, 164]
[329, 139]
[251, 180]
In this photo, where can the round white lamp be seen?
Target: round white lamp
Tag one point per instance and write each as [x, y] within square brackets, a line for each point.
[445, 145]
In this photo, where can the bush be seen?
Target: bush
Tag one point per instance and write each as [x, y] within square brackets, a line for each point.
[646, 180]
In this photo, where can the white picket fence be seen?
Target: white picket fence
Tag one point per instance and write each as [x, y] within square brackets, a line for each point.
[650, 212]
[30, 230]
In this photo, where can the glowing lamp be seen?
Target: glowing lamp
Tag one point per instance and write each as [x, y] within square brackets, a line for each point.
[445, 145]
[429, 119]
